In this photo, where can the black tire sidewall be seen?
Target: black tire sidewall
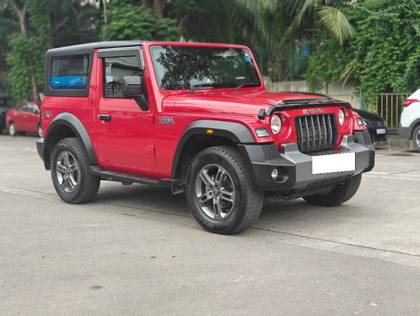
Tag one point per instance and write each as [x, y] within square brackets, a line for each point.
[237, 214]
[69, 197]
[414, 137]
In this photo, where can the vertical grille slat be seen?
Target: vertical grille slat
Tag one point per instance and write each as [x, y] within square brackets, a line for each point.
[316, 133]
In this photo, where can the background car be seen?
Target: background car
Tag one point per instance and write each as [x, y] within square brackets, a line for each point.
[5, 106]
[24, 118]
[410, 120]
[375, 124]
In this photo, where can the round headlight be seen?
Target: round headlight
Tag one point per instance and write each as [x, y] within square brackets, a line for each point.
[275, 124]
[341, 116]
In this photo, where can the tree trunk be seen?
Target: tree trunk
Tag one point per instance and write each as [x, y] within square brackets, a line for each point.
[21, 14]
[159, 7]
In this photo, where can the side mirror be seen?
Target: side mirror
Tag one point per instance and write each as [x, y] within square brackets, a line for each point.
[133, 88]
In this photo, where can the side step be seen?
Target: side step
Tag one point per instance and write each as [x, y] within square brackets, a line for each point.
[122, 177]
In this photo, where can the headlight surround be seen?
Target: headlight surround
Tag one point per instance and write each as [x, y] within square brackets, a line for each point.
[341, 116]
[275, 124]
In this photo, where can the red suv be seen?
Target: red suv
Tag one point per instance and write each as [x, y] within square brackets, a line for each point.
[197, 117]
[24, 117]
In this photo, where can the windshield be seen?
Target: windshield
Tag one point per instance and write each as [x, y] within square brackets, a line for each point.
[184, 68]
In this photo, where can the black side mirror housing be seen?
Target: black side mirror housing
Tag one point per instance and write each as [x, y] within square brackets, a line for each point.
[133, 87]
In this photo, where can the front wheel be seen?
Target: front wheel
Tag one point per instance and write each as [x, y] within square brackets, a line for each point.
[339, 194]
[416, 138]
[220, 192]
[70, 172]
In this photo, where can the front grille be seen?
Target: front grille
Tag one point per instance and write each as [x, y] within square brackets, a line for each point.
[316, 133]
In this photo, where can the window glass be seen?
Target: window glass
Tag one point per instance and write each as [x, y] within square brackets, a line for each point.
[179, 68]
[69, 72]
[116, 68]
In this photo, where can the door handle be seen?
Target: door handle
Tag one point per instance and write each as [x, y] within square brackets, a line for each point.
[105, 117]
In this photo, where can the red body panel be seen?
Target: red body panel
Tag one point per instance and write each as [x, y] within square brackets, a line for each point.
[135, 141]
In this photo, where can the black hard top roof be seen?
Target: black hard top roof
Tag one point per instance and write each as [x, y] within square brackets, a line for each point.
[89, 47]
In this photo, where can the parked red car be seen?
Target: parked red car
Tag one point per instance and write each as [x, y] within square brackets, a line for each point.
[24, 117]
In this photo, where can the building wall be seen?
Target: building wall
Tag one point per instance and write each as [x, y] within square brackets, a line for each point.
[335, 90]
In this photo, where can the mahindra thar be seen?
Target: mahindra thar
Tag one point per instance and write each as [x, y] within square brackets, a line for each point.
[197, 117]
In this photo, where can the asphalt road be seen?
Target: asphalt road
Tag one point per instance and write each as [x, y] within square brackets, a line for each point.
[137, 251]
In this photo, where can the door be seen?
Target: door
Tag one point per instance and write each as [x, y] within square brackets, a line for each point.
[125, 134]
[32, 118]
[20, 117]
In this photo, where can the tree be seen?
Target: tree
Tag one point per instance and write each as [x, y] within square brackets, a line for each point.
[383, 57]
[130, 21]
[41, 24]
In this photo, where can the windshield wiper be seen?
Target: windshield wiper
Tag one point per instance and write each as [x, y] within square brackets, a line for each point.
[202, 86]
[245, 84]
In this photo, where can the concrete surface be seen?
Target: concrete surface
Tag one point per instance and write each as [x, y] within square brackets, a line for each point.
[137, 251]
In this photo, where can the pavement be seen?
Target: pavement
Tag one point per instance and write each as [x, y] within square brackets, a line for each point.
[136, 250]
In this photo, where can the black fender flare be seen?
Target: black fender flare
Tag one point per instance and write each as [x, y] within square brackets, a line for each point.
[75, 125]
[235, 132]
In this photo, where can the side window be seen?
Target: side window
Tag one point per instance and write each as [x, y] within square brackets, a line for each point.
[115, 69]
[69, 72]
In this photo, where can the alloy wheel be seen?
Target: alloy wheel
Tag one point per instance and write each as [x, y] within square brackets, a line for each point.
[215, 192]
[67, 172]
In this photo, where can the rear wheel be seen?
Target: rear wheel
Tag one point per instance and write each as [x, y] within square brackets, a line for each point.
[416, 138]
[339, 194]
[220, 193]
[12, 129]
[70, 171]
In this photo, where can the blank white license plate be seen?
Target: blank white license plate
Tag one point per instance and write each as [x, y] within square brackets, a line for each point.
[333, 163]
[381, 131]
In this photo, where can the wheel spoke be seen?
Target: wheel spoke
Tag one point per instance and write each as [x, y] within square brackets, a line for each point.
[217, 208]
[61, 168]
[205, 177]
[204, 197]
[72, 181]
[226, 195]
[219, 175]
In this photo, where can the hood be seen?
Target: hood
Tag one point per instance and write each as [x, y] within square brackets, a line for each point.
[369, 115]
[231, 102]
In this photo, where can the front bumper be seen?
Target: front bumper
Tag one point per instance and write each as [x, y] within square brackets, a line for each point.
[295, 168]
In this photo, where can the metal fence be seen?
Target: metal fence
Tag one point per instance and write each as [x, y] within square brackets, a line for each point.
[389, 107]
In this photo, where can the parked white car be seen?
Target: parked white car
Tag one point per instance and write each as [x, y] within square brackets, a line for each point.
[410, 119]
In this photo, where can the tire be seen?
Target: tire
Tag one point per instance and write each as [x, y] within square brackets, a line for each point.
[12, 130]
[232, 183]
[416, 139]
[39, 131]
[340, 193]
[70, 172]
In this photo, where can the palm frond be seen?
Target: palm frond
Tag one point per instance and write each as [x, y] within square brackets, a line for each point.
[335, 21]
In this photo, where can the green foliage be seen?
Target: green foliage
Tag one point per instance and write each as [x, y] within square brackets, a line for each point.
[383, 57]
[25, 54]
[128, 21]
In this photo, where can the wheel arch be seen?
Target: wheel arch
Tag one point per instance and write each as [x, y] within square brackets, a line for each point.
[63, 126]
[203, 134]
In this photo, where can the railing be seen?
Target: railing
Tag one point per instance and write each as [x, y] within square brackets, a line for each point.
[389, 107]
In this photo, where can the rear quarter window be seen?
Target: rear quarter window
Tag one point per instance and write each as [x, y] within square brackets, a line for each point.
[69, 72]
